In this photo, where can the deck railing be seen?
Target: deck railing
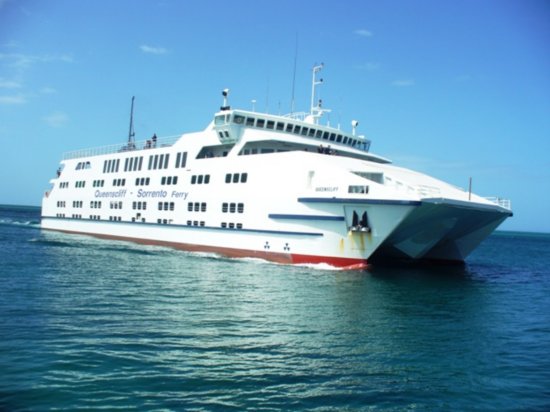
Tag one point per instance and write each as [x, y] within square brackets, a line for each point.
[146, 144]
[505, 203]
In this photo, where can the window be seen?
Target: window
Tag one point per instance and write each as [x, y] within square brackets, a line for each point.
[250, 121]
[200, 179]
[238, 119]
[181, 159]
[260, 123]
[358, 189]
[280, 126]
[159, 161]
[270, 124]
[236, 177]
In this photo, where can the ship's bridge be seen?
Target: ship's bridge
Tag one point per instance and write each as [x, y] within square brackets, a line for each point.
[230, 125]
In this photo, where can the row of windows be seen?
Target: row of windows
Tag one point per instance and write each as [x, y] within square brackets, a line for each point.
[295, 129]
[200, 179]
[196, 207]
[232, 225]
[195, 223]
[165, 180]
[232, 207]
[166, 206]
[133, 164]
[201, 223]
[142, 181]
[111, 166]
[115, 204]
[83, 165]
[191, 206]
[158, 161]
[139, 205]
[169, 180]
[236, 177]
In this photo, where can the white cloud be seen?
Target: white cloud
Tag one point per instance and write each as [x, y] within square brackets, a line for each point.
[368, 66]
[56, 119]
[403, 83]
[48, 90]
[12, 100]
[153, 50]
[364, 33]
[25, 61]
[9, 84]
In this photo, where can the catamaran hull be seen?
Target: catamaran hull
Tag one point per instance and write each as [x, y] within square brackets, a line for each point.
[441, 230]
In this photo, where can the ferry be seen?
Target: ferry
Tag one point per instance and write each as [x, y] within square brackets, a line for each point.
[284, 188]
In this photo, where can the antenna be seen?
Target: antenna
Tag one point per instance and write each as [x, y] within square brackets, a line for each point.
[294, 74]
[131, 132]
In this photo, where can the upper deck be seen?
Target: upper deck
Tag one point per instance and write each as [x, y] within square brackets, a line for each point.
[121, 148]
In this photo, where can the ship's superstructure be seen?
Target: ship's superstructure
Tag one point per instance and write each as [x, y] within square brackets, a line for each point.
[282, 188]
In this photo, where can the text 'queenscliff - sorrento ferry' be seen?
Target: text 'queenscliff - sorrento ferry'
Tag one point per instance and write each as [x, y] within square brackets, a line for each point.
[286, 189]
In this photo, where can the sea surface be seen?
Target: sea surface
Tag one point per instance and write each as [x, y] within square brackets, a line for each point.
[90, 324]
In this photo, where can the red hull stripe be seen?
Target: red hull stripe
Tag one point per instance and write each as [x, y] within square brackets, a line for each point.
[284, 258]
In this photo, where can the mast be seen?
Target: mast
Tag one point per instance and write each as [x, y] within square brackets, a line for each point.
[316, 109]
[131, 132]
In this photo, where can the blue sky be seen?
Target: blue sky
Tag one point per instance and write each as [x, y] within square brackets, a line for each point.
[455, 89]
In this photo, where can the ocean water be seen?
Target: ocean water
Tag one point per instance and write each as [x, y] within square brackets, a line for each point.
[89, 324]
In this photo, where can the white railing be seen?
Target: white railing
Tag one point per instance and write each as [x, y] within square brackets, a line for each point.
[120, 148]
[505, 203]
[428, 191]
[297, 116]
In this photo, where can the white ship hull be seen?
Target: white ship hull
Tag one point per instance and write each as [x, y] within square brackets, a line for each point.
[259, 185]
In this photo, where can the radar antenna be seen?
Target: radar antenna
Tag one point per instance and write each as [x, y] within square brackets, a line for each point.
[131, 132]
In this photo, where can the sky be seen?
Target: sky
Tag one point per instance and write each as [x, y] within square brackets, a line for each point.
[454, 89]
